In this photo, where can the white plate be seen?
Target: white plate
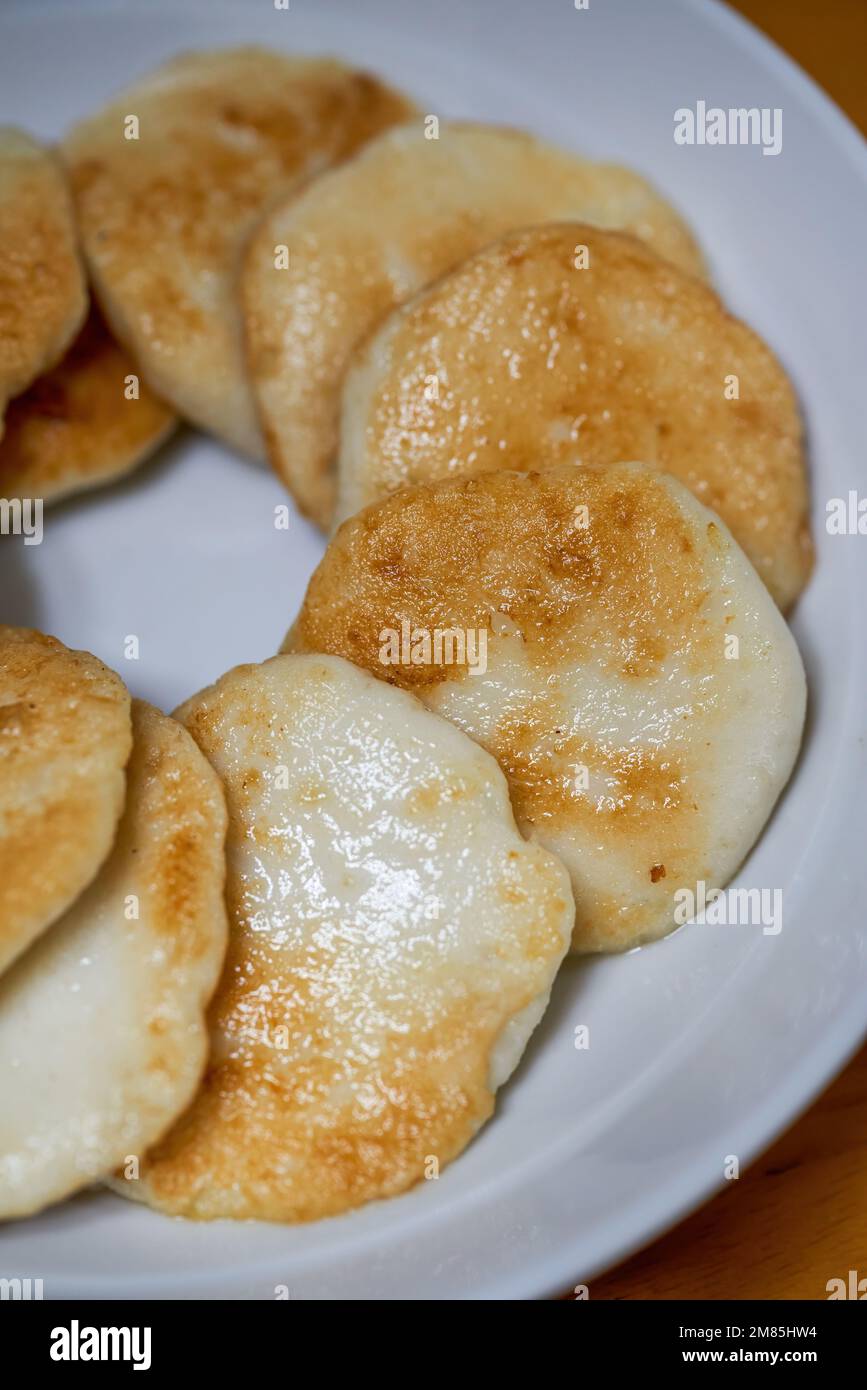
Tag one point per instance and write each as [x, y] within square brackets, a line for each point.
[706, 1044]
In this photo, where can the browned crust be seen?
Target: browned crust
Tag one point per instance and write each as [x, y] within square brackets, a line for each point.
[64, 741]
[540, 362]
[43, 297]
[75, 428]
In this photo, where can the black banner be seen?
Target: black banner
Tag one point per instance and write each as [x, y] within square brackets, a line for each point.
[156, 1337]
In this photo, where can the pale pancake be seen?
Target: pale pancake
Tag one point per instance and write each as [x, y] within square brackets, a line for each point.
[164, 217]
[636, 746]
[43, 296]
[392, 944]
[535, 362]
[364, 237]
[75, 428]
[64, 743]
[102, 1027]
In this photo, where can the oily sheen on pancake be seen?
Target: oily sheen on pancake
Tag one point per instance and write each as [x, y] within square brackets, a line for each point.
[78, 426]
[365, 236]
[393, 941]
[639, 687]
[64, 743]
[102, 1027]
[165, 206]
[573, 345]
[43, 297]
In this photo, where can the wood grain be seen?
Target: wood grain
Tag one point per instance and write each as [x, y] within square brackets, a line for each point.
[798, 1217]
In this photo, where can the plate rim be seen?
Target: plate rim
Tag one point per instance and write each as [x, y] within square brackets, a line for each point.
[547, 1273]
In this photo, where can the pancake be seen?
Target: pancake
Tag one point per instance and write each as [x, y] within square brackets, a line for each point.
[539, 362]
[102, 1029]
[367, 235]
[43, 297]
[392, 945]
[74, 428]
[164, 217]
[636, 746]
[64, 743]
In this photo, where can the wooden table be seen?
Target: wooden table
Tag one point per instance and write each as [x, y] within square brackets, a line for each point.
[793, 1221]
[798, 1217]
[828, 38]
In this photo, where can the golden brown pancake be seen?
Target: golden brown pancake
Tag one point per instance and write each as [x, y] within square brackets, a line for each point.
[392, 945]
[519, 358]
[639, 687]
[102, 1022]
[164, 216]
[43, 297]
[365, 236]
[75, 428]
[64, 742]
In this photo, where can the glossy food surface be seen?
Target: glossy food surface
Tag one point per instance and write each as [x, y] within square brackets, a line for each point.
[102, 1027]
[567, 344]
[367, 235]
[393, 942]
[639, 689]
